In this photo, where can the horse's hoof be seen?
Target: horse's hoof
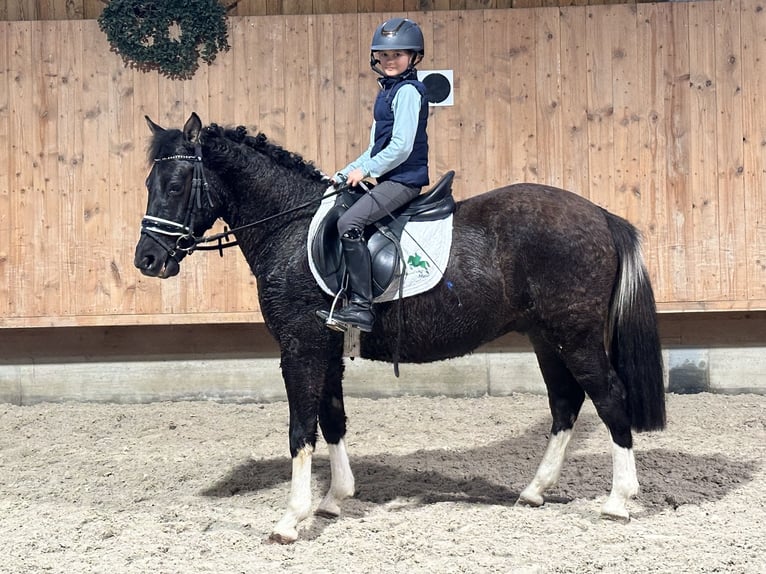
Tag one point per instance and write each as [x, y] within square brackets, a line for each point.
[277, 538]
[326, 513]
[530, 499]
[615, 511]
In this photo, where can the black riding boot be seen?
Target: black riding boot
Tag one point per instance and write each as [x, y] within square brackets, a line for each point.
[358, 313]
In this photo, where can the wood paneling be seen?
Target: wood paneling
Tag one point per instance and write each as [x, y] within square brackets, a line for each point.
[89, 9]
[654, 111]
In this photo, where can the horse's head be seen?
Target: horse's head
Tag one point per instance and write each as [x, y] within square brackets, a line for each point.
[180, 208]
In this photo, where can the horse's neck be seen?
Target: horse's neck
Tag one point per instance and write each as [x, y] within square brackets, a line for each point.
[253, 193]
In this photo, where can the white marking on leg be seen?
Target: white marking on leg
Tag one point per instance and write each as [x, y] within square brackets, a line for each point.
[624, 483]
[549, 471]
[298, 501]
[341, 482]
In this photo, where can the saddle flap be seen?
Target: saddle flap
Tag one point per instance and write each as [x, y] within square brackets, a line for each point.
[326, 249]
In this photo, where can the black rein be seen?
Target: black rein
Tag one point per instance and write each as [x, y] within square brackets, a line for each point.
[185, 238]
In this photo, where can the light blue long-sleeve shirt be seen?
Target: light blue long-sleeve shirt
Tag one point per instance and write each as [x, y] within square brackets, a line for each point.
[406, 108]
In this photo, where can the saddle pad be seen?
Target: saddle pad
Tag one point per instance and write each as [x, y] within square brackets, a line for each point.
[425, 247]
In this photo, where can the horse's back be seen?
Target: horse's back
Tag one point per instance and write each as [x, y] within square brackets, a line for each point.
[524, 257]
[540, 221]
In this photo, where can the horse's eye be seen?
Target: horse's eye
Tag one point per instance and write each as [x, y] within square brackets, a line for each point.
[175, 191]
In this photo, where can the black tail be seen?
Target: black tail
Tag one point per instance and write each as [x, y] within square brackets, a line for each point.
[632, 338]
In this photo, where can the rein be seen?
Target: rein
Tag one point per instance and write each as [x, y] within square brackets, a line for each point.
[185, 240]
[217, 237]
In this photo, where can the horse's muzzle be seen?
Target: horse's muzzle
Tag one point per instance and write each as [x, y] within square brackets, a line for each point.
[155, 262]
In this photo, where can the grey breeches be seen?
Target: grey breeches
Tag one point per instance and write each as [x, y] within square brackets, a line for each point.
[382, 200]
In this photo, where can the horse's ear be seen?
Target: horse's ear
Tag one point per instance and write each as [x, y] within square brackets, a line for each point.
[193, 127]
[152, 126]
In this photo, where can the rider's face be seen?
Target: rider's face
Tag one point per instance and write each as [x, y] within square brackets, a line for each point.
[393, 62]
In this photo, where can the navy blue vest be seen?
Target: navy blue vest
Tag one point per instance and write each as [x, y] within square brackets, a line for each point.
[413, 171]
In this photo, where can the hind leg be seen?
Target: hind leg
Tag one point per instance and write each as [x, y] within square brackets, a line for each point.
[592, 369]
[565, 398]
[332, 421]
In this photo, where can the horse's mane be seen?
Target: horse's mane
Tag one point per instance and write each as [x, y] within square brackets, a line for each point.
[165, 143]
[261, 144]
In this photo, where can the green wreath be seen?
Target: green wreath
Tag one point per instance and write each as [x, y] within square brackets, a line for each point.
[165, 35]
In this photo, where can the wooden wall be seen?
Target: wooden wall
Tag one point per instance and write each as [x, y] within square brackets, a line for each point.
[89, 9]
[655, 111]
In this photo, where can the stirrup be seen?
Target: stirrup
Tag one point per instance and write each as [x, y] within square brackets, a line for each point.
[328, 316]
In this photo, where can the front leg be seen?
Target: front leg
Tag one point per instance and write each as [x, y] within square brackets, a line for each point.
[332, 420]
[299, 499]
[304, 379]
[341, 481]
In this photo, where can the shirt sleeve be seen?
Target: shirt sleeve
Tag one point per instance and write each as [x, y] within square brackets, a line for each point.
[362, 159]
[406, 108]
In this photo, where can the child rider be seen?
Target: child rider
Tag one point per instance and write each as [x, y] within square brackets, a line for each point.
[397, 158]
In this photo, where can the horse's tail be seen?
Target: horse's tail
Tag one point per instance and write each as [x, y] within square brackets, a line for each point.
[632, 336]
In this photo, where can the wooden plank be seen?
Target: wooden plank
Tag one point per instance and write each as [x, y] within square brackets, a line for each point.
[574, 100]
[701, 235]
[270, 80]
[497, 71]
[321, 91]
[91, 9]
[444, 129]
[730, 235]
[70, 147]
[43, 216]
[626, 129]
[469, 69]
[654, 28]
[678, 156]
[523, 108]
[753, 88]
[122, 172]
[549, 138]
[351, 133]
[600, 40]
[5, 178]
[24, 135]
[93, 274]
[299, 117]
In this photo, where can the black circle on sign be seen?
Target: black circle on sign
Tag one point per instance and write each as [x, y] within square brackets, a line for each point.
[437, 88]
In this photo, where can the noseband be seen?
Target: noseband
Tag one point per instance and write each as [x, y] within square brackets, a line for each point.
[158, 228]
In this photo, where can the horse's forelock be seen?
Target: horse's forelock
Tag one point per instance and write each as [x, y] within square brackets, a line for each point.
[165, 143]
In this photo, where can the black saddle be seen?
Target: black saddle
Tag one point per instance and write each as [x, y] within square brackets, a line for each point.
[382, 238]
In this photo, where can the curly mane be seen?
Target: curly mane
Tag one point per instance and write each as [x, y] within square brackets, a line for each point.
[261, 144]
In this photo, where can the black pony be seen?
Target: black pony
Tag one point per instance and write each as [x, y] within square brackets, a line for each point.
[527, 257]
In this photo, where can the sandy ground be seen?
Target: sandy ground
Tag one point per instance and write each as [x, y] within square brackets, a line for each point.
[196, 487]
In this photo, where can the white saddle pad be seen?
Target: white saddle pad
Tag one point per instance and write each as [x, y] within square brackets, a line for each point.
[425, 247]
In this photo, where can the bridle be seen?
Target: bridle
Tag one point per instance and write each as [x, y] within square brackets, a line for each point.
[158, 228]
[185, 241]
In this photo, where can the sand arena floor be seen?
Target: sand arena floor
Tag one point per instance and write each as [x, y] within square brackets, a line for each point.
[196, 487]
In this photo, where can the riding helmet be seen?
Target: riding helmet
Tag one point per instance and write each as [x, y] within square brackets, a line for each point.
[397, 34]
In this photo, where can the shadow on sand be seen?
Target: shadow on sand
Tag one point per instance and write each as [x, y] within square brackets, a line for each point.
[495, 474]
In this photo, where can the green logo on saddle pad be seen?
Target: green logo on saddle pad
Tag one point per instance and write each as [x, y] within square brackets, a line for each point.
[415, 261]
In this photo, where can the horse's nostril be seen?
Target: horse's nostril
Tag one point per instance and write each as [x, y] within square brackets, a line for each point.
[145, 262]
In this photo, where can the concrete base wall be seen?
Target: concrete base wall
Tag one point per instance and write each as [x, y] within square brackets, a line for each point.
[713, 352]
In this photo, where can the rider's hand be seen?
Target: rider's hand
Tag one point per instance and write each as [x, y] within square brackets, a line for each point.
[338, 179]
[355, 177]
